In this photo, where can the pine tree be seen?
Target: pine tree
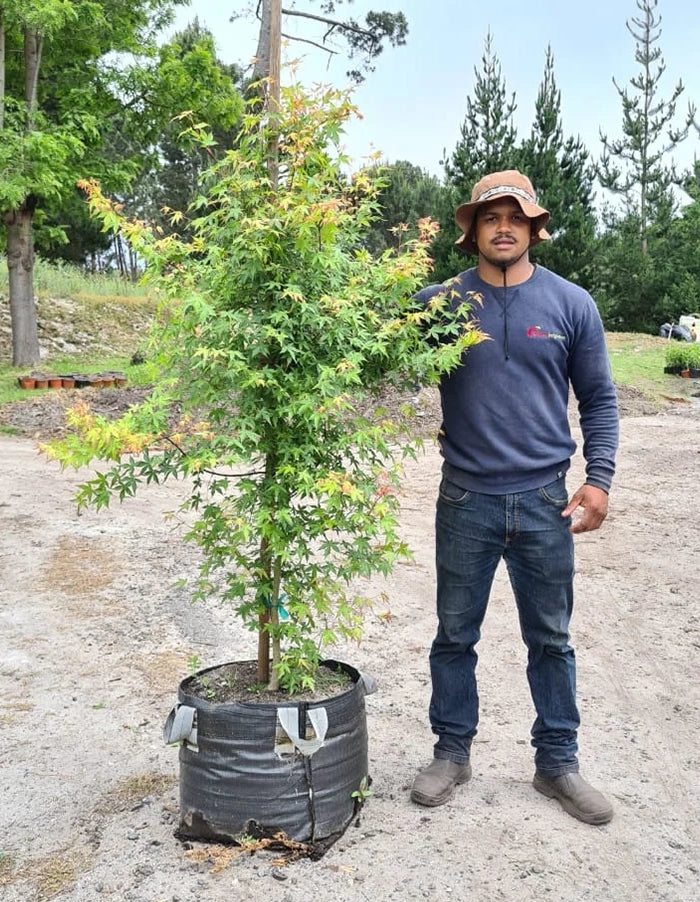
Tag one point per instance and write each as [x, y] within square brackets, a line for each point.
[563, 178]
[408, 193]
[488, 135]
[636, 166]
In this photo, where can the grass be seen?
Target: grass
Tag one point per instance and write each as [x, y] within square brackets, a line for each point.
[88, 323]
[8, 866]
[61, 280]
[51, 876]
[638, 361]
[134, 789]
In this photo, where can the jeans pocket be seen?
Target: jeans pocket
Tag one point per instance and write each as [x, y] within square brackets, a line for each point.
[555, 493]
[452, 493]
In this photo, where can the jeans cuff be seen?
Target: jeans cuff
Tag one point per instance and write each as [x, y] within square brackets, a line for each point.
[450, 756]
[551, 772]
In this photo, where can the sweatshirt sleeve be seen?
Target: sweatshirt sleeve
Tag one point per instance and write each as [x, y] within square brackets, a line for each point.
[591, 380]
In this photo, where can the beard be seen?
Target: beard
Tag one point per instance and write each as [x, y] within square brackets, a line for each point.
[503, 262]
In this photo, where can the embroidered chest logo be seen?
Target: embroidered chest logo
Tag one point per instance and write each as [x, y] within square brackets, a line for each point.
[539, 332]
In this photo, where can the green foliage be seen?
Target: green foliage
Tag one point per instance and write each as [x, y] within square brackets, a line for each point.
[63, 88]
[647, 270]
[406, 194]
[277, 326]
[136, 145]
[563, 178]
[46, 139]
[488, 135]
[198, 81]
[363, 791]
[636, 166]
[683, 354]
[366, 40]
[638, 290]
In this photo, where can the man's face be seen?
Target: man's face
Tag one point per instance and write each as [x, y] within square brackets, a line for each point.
[502, 232]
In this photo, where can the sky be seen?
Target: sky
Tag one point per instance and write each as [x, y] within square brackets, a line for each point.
[414, 103]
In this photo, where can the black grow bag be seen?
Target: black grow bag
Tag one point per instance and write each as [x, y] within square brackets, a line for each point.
[259, 769]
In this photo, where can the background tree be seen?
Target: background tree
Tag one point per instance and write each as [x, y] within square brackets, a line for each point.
[185, 73]
[636, 167]
[488, 135]
[72, 108]
[65, 231]
[636, 285]
[563, 178]
[637, 290]
[54, 96]
[188, 69]
[364, 41]
[406, 194]
[487, 144]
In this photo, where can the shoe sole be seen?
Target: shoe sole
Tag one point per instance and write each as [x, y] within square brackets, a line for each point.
[433, 801]
[597, 818]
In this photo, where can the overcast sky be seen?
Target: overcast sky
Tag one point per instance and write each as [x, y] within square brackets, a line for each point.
[414, 103]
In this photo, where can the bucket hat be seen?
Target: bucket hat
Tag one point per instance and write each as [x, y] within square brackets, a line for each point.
[509, 183]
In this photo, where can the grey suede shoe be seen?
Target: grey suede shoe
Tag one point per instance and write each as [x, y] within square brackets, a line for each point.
[436, 783]
[577, 798]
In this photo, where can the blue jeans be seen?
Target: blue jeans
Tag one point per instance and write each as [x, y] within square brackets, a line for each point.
[473, 532]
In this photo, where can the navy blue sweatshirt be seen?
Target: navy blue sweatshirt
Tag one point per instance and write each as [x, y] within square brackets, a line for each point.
[505, 425]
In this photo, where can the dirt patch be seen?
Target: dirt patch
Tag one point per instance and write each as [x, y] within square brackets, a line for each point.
[238, 682]
[85, 324]
[43, 416]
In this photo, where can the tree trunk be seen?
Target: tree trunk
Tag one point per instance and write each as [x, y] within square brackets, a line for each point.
[119, 255]
[269, 42]
[133, 265]
[274, 69]
[20, 265]
[2, 68]
[264, 618]
[261, 69]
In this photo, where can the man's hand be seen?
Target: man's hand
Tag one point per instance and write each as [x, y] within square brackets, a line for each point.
[594, 504]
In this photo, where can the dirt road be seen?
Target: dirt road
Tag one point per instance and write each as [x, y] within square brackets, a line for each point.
[96, 636]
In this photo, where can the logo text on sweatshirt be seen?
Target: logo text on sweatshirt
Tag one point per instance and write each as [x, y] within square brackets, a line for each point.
[539, 332]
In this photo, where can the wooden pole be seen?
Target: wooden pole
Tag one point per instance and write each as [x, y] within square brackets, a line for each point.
[273, 68]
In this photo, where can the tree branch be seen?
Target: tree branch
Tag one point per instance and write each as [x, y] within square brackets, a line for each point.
[291, 37]
[334, 23]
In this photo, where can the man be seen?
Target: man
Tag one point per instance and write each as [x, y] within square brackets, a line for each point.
[506, 448]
